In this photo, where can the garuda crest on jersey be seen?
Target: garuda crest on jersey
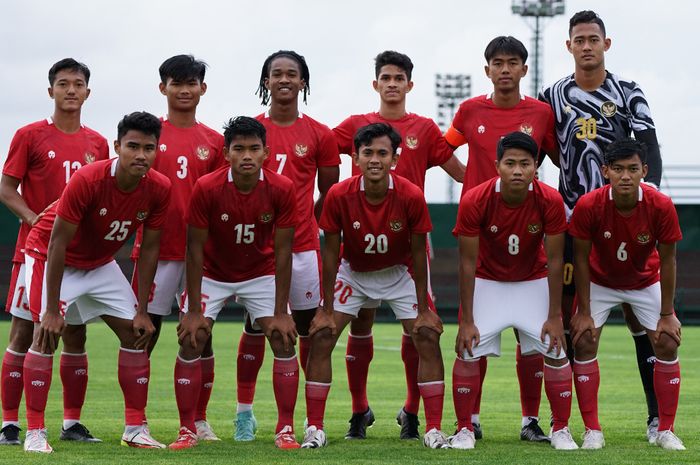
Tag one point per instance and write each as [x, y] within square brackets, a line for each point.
[89, 157]
[643, 237]
[202, 152]
[396, 225]
[534, 228]
[608, 108]
[141, 215]
[412, 142]
[526, 128]
[300, 150]
[265, 217]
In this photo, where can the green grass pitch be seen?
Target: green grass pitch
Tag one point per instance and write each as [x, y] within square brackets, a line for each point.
[622, 409]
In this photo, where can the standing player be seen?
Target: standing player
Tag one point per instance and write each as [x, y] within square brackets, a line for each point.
[187, 150]
[239, 243]
[422, 147]
[481, 122]
[617, 230]
[501, 225]
[101, 208]
[300, 147]
[383, 220]
[42, 157]
[593, 108]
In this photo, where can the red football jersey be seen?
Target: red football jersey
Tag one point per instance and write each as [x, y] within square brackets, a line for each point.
[43, 158]
[375, 236]
[481, 124]
[623, 253]
[510, 238]
[106, 216]
[297, 151]
[422, 145]
[240, 244]
[184, 155]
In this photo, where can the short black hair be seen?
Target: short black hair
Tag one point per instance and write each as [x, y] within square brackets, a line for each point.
[397, 59]
[243, 126]
[506, 45]
[262, 91]
[366, 134]
[517, 140]
[139, 121]
[586, 17]
[623, 149]
[71, 65]
[182, 68]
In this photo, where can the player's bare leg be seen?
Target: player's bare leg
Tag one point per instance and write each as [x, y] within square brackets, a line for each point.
[645, 362]
[567, 311]
[302, 319]
[319, 373]
[530, 370]
[359, 353]
[587, 381]
[157, 321]
[20, 339]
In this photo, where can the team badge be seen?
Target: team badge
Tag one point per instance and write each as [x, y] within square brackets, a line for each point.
[412, 142]
[224, 217]
[52, 154]
[534, 228]
[141, 215]
[356, 225]
[202, 152]
[266, 217]
[494, 229]
[300, 150]
[396, 225]
[608, 108]
[163, 147]
[607, 235]
[103, 211]
[308, 295]
[481, 129]
[643, 237]
[89, 157]
[526, 128]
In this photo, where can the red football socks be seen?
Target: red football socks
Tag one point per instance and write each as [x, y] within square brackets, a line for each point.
[205, 388]
[285, 383]
[587, 381]
[466, 384]
[133, 372]
[530, 370]
[433, 394]
[251, 352]
[74, 377]
[409, 355]
[316, 396]
[357, 359]
[557, 385]
[188, 380]
[667, 385]
[37, 382]
[12, 384]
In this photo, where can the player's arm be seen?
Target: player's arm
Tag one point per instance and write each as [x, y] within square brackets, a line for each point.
[554, 248]
[582, 320]
[468, 334]
[12, 199]
[668, 322]
[648, 136]
[553, 154]
[454, 168]
[331, 253]
[146, 271]
[282, 322]
[194, 319]
[327, 176]
[52, 322]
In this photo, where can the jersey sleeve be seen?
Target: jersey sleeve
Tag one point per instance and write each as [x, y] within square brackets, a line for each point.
[344, 134]
[441, 151]
[469, 216]
[159, 209]
[330, 215]
[581, 220]
[198, 211]
[75, 199]
[218, 160]
[418, 215]
[103, 150]
[455, 135]
[640, 114]
[287, 208]
[669, 229]
[554, 214]
[18, 156]
[549, 141]
[328, 154]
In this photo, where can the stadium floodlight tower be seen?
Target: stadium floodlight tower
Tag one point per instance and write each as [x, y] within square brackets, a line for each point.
[451, 90]
[537, 9]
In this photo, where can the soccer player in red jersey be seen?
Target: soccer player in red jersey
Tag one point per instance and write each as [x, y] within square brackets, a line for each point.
[187, 150]
[383, 220]
[241, 226]
[422, 147]
[625, 238]
[501, 226]
[42, 157]
[70, 260]
[481, 122]
[303, 150]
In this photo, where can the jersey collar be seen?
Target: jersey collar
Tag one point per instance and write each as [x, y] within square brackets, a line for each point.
[639, 199]
[490, 96]
[230, 175]
[497, 187]
[50, 122]
[362, 183]
[267, 114]
[113, 168]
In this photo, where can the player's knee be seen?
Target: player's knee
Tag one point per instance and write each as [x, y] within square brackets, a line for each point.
[585, 348]
[362, 325]
[322, 342]
[74, 338]
[277, 345]
[21, 335]
[426, 337]
[666, 348]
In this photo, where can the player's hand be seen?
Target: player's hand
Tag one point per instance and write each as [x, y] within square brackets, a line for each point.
[283, 324]
[669, 325]
[580, 324]
[429, 320]
[467, 338]
[554, 328]
[190, 324]
[51, 328]
[322, 320]
[143, 330]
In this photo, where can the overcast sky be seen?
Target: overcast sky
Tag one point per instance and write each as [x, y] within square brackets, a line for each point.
[123, 42]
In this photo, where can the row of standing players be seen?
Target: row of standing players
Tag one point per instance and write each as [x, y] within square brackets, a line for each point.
[586, 111]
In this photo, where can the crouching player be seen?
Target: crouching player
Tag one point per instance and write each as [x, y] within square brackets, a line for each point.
[508, 278]
[625, 238]
[70, 260]
[239, 243]
[383, 220]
